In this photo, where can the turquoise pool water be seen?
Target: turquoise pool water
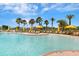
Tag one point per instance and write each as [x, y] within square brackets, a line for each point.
[12, 44]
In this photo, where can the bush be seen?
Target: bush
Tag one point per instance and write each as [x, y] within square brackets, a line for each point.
[4, 27]
[77, 27]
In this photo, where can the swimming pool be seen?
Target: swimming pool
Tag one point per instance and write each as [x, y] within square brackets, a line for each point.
[16, 44]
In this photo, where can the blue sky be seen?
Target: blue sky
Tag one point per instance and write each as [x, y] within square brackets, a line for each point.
[10, 11]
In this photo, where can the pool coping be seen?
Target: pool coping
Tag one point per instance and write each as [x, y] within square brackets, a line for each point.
[63, 53]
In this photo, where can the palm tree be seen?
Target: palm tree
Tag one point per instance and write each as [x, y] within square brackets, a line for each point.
[62, 24]
[24, 22]
[32, 21]
[46, 22]
[52, 19]
[70, 17]
[39, 20]
[18, 21]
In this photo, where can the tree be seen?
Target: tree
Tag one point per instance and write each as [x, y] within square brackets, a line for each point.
[24, 22]
[18, 21]
[52, 20]
[46, 22]
[39, 20]
[32, 21]
[69, 18]
[4, 27]
[62, 24]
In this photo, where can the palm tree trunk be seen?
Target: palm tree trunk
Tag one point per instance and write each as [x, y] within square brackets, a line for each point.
[19, 26]
[52, 25]
[69, 21]
[31, 26]
[39, 23]
[23, 28]
[46, 27]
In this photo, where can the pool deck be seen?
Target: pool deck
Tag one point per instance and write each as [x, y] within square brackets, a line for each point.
[63, 53]
[35, 34]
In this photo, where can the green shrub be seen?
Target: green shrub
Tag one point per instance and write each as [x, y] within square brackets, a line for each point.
[77, 27]
[4, 27]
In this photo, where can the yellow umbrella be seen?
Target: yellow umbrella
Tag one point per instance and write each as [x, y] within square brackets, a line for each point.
[70, 27]
[39, 26]
[58, 29]
[17, 28]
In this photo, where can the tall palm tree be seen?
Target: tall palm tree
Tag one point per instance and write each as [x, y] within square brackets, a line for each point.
[46, 22]
[32, 21]
[62, 24]
[39, 20]
[24, 22]
[70, 17]
[18, 21]
[52, 20]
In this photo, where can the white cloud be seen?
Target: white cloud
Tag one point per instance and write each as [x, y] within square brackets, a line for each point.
[13, 20]
[32, 9]
[61, 7]
[21, 8]
[69, 7]
[48, 7]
